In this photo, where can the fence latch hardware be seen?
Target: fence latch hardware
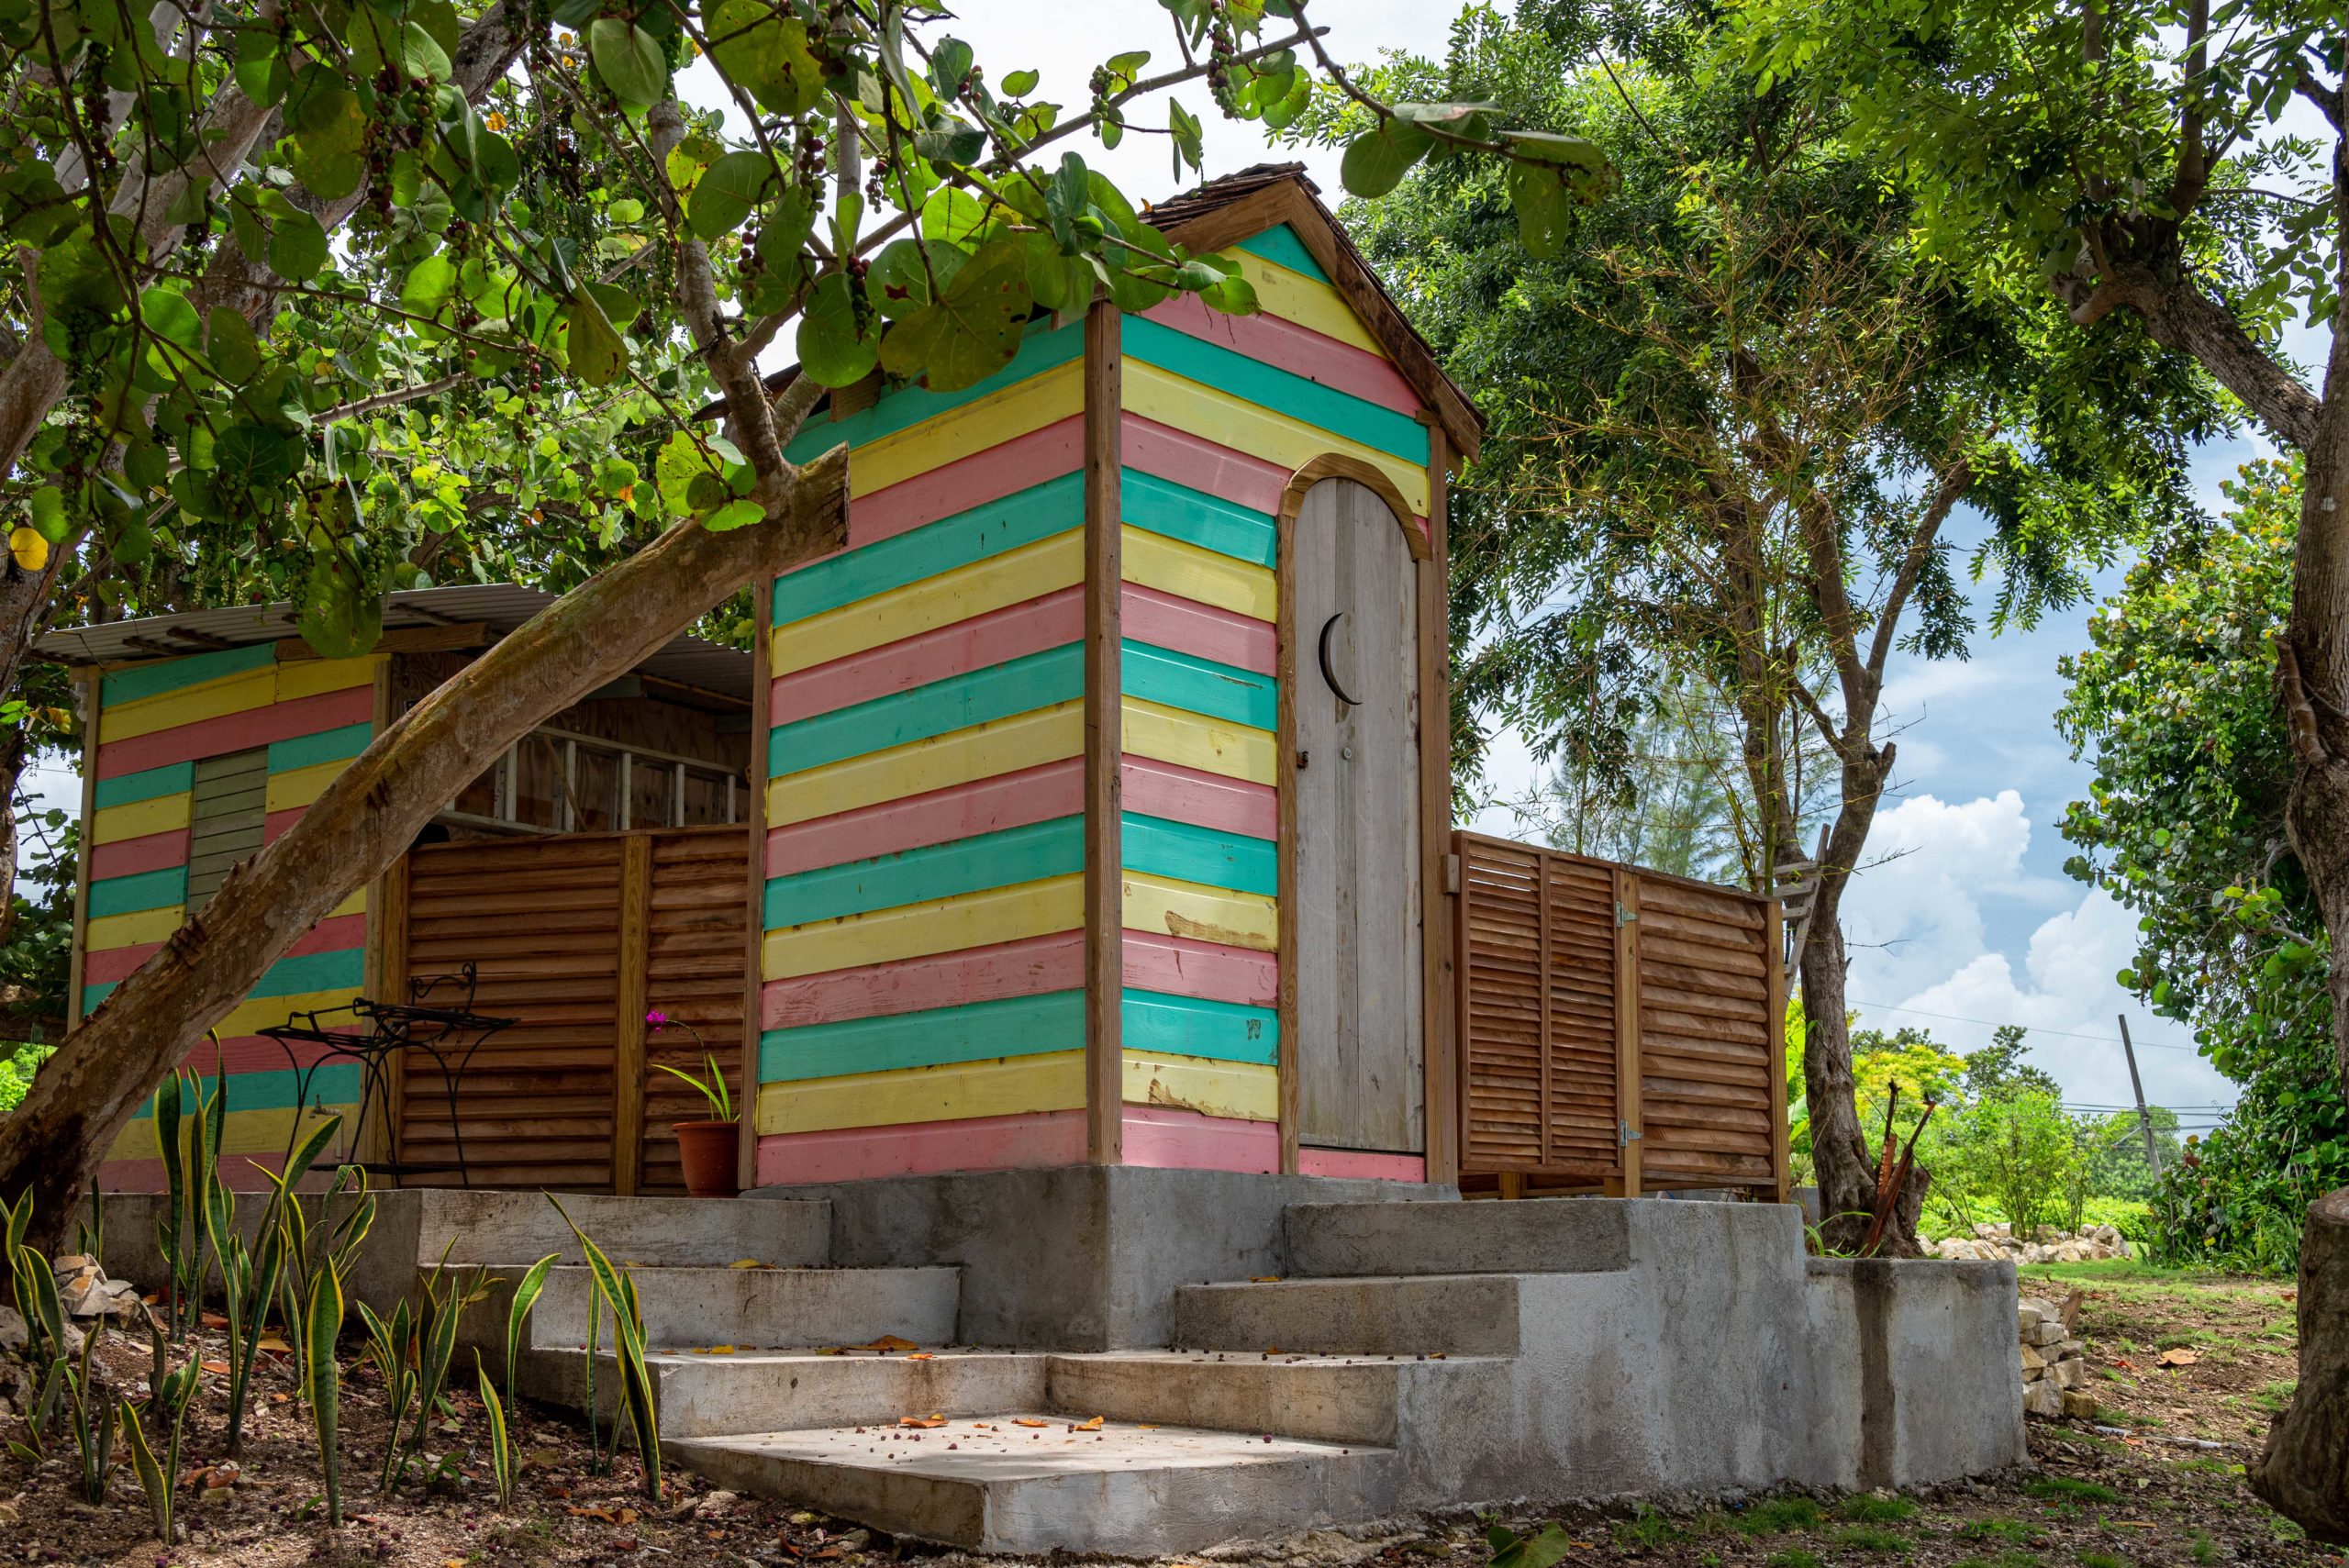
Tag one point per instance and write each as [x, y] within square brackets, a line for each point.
[1624, 916]
[1624, 1133]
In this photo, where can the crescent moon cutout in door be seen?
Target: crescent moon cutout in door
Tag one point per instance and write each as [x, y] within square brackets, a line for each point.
[1357, 1034]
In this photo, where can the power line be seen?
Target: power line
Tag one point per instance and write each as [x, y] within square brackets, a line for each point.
[1995, 1023]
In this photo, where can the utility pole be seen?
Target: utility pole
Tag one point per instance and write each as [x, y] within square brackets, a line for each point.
[2152, 1155]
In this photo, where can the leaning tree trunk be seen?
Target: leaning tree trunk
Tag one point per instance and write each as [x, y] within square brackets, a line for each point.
[1839, 1153]
[2304, 1472]
[366, 819]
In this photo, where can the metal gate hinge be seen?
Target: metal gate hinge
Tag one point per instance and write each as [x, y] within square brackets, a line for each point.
[1624, 916]
[1624, 1133]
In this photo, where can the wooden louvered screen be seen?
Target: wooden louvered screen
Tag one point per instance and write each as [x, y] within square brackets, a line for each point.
[575, 936]
[227, 819]
[1597, 1001]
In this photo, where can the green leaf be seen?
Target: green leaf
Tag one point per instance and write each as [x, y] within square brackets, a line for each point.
[727, 191]
[595, 352]
[297, 246]
[170, 316]
[1545, 209]
[734, 514]
[328, 153]
[950, 66]
[249, 457]
[837, 348]
[1376, 161]
[973, 329]
[236, 354]
[765, 54]
[1019, 83]
[629, 60]
[1062, 285]
[429, 286]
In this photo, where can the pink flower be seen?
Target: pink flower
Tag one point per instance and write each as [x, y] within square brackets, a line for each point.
[657, 1018]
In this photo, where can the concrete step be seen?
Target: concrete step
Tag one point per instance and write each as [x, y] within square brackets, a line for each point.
[1534, 1236]
[752, 1391]
[756, 1308]
[660, 1232]
[990, 1485]
[1402, 1315]
[1341, 1399]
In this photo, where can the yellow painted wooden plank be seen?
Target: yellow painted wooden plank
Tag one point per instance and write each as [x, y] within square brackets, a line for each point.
[1245, 1091]
[936, 925]
[111, 932]
[354, 905]
[1195, 741]
[310, 677]
[961, 756]
[189, 705]
[302, 786]
[1044, 567]
[241, 1132]
[972, 428]
[137, 818]
[1228, 421]
[1308, 302]
[1186, 570]
[1010, 1086]
[1207, 914]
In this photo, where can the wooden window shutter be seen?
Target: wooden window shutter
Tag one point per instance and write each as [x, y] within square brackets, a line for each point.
[225, 819]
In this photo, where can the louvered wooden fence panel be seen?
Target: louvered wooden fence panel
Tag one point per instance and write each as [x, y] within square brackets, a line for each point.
[574, 935]
[1618, 1029]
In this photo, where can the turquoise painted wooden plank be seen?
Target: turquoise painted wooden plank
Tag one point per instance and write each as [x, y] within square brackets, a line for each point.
[148, 890]
[293, 977]
[1161, 507]
[170, 675]
[1189, 853]
[1029, 853]
[1038, 512]
[1282, 248]
[909, 406]
[1268, 386]
[1199, 686]
[1191, 1026]
[1015, 685]
[331, 1084]
[325, 746]
[177, 778]
[976, 1031]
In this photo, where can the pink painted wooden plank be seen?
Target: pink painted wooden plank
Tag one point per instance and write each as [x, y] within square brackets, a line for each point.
[1205, 631]
[128, 857]
[335, 935]
[275, 823]
[1217, 471]
[1182, 966]
[1293, 348]
[237, 1171]
[1185, 1140]
[250, 1053]
[1007, 800]
[1029, 627]
[1030, 967]
[238, 731]
[980, 1143]
[1362, 1165]
[1187, 794]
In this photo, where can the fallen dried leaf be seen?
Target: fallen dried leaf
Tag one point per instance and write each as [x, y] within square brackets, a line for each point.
[627, 1516]
[716, 1350]
[215, 1320]
[748, 1263]
[887, 1342]
[922, 1356]
[1092, 1426]
[1024, 1422]
[1264, 1279]
[273, 1342]
[2178, 1357]
[922, 1420]
[220, 1368]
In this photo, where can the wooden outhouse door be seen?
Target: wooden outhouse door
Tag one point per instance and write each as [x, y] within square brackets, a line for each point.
[1355, 771]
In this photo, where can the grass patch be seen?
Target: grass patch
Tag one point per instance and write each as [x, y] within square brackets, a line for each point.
[1866, 1509]
[1872, 1537]
[2102, 1560]
[2069, 1489]
[2007, 1533]
[2276, 1395]
[1645, 1531]
[2204, 1549]
[1792, 1557]
[2003, 1560]
[1773, 1515]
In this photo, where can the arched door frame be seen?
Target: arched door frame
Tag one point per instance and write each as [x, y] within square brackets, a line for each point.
[1338, 465]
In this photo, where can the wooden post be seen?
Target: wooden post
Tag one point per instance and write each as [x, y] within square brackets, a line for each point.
[746, 1099]
[92, 688]
[628, 1053]
[1438, 910]
[1774, 950]
[1105, 962]
[1627, 1029]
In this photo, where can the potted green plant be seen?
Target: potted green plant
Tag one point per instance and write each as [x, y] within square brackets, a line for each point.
[705, 1149]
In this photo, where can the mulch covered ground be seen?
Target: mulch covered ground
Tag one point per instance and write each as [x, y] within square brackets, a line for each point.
[2157, 1479]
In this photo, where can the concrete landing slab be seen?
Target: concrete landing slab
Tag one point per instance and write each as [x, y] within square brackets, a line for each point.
[1543, 1236]
[1410, 1315]
[1029, 1482]
[503, 1227]
[763, 1308]
[1341, 1399]
[757, 1391]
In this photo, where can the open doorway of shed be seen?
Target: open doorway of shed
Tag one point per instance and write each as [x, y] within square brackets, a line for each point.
[596, 872]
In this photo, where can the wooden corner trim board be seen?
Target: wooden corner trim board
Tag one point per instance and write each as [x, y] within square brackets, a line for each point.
[1439, 910]
[1338, 465]
[762, 687]
[1288, 202]
[77, 955]
[1104, 737]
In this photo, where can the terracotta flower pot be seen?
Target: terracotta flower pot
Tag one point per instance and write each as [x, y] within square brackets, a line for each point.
[707, 1149]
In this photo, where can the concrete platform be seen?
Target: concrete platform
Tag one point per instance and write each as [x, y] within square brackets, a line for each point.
[761, 1308]
[699, 1396]
[1339, 1399]
[1339, 1239]
[652, 1232]
[991, 1483]
[1408, 1315]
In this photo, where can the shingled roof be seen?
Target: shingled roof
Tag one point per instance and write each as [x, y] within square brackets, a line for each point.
[1225, 211]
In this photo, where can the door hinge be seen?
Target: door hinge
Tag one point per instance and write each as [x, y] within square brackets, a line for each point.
[1624, 1134]
[1624, 916]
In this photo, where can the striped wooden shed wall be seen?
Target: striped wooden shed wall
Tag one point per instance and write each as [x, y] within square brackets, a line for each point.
[196, 762]
[1027, 828]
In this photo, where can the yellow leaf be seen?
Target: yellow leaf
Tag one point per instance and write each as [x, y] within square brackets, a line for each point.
[1024, 1422]
[747, 1263]
[887, 1342]
[1092, 1426]
[922, 1420]
[27, 549]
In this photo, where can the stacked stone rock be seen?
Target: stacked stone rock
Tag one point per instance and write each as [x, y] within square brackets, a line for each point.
[2048, 1244]
[2054, 1364]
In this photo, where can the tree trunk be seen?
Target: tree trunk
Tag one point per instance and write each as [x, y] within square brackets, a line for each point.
[1839, 1154]
[2303, 1473]
[367, 819]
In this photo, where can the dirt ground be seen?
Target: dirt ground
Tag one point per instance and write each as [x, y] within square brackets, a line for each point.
[2157, 1479]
